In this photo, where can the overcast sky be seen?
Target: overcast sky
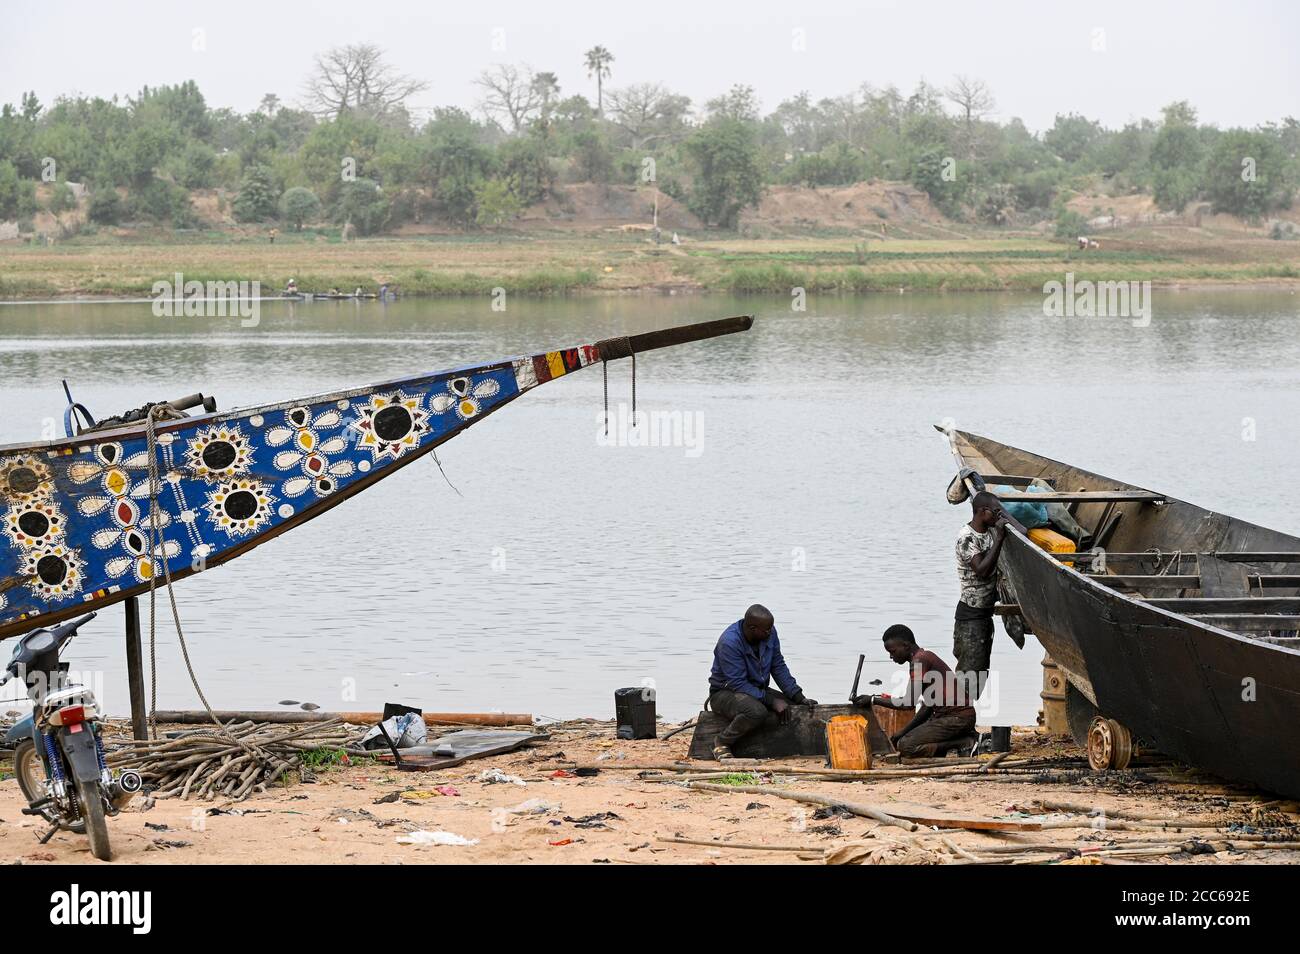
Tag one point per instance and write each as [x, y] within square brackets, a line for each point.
[1236, 61]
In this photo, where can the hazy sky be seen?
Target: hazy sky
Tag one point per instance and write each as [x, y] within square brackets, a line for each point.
[1236, 61]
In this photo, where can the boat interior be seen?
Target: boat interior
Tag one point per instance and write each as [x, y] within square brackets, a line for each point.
[1167, 553]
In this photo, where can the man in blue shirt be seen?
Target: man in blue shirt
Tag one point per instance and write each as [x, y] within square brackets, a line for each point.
[746, 659]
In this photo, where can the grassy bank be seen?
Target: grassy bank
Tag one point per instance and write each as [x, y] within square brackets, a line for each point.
[565, 263]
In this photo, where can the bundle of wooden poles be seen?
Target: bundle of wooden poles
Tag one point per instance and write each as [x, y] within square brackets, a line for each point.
[230, 762]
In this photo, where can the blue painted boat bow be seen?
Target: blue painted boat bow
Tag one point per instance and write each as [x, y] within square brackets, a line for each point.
[76, 514]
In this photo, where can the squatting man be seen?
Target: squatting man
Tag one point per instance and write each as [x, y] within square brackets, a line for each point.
[745, 661]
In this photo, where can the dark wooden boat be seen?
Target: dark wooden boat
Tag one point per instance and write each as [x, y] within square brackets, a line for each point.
[76, 514]
[1178, 626]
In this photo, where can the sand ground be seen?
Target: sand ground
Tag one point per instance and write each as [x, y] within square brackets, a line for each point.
[356, 814]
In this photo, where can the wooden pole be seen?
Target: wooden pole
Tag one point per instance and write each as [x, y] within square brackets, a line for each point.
[293, 716]
[135, 669]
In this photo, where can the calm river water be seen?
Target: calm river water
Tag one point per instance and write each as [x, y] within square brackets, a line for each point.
[810, 480]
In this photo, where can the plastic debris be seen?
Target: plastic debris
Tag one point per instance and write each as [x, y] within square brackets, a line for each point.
[435, 838]
[494, 776]
[534, 806]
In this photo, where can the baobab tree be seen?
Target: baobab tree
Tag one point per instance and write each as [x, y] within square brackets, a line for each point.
[511, 95]
[356, 77]
[598, 59]
[975, 100]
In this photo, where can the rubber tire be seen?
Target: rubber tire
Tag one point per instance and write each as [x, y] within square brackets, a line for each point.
[27, 759]
[1079, 713]
[92, 811]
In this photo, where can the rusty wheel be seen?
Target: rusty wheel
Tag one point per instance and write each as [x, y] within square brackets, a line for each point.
[1110, 745]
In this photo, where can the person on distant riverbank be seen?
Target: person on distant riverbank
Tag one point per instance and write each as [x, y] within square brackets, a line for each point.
[745, 660]
[945, 719]
[979, 544]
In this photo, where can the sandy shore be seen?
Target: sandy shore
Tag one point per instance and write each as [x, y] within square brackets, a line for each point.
[357, 813]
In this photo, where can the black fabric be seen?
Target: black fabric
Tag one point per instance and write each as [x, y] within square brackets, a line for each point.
[939, 733]
[745, 712]
[965, 611]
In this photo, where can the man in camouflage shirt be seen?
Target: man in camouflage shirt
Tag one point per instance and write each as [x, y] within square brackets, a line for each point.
[978, 546]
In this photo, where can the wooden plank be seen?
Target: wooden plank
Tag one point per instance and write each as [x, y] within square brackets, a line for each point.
[1251, 605]
[1258, 556]
[135, 670]
[1250, 623]
[1274, 581]
[1121, 557]
[942, 818]
[1009, 479]
[1124, 581]
[1083, 496]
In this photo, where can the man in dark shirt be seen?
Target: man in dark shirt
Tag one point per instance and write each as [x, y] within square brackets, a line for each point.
[945, 719]
[746, 659]
[979, 544]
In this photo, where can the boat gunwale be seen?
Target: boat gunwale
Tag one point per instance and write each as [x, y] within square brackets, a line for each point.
[1098, 588]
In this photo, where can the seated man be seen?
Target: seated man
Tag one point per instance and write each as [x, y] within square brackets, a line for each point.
[747, 657]
[945, 720]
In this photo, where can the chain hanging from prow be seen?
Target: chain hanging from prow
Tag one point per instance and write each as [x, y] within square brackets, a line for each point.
[611, 349]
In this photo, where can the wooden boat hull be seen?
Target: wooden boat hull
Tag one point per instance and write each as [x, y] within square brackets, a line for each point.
[76, 514]
[1220, 700]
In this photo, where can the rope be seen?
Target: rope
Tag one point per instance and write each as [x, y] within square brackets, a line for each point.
[155, 541]
[434, 454]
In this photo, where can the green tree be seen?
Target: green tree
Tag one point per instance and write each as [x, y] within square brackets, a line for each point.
[1072, 136]
[105, 206]
[1244, 174]
[496, 203]
[935, 174]
[10, 190]
[523, 161]
[194, 167]
[728, 176]
[363, 204]
[257, 197]
[1176, 158]
[61, 198]
[299, 205]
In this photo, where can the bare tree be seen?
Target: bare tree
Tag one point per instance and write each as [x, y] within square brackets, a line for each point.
[598, 59]
[357, 77]
[510, 95]
[975, 101]
[647, 113]
[972, 97]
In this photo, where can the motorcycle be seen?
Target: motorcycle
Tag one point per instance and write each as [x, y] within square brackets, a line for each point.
[58, 752]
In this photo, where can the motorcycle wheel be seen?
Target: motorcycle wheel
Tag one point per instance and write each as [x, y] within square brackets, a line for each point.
[30, 771]
[92, 812]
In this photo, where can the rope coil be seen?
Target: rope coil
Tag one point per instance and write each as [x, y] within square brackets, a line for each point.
[155, 546]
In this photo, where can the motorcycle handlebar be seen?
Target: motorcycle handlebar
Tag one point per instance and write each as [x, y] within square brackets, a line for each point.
[65, 631]
[209, 404]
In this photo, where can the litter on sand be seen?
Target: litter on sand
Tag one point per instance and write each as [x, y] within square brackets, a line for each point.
[495, 776]
[435, 838]
[534, 806]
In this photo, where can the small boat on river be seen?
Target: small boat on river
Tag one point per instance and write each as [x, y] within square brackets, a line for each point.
[1177, 627]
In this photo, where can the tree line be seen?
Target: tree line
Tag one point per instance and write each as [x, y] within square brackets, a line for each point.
[353, 152]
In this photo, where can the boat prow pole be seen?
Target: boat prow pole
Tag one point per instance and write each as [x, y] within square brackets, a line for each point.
[684, 334]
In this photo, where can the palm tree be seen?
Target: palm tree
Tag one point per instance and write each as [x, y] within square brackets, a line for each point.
[598, 59]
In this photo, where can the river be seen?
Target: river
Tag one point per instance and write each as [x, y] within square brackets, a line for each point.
[803, 474]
